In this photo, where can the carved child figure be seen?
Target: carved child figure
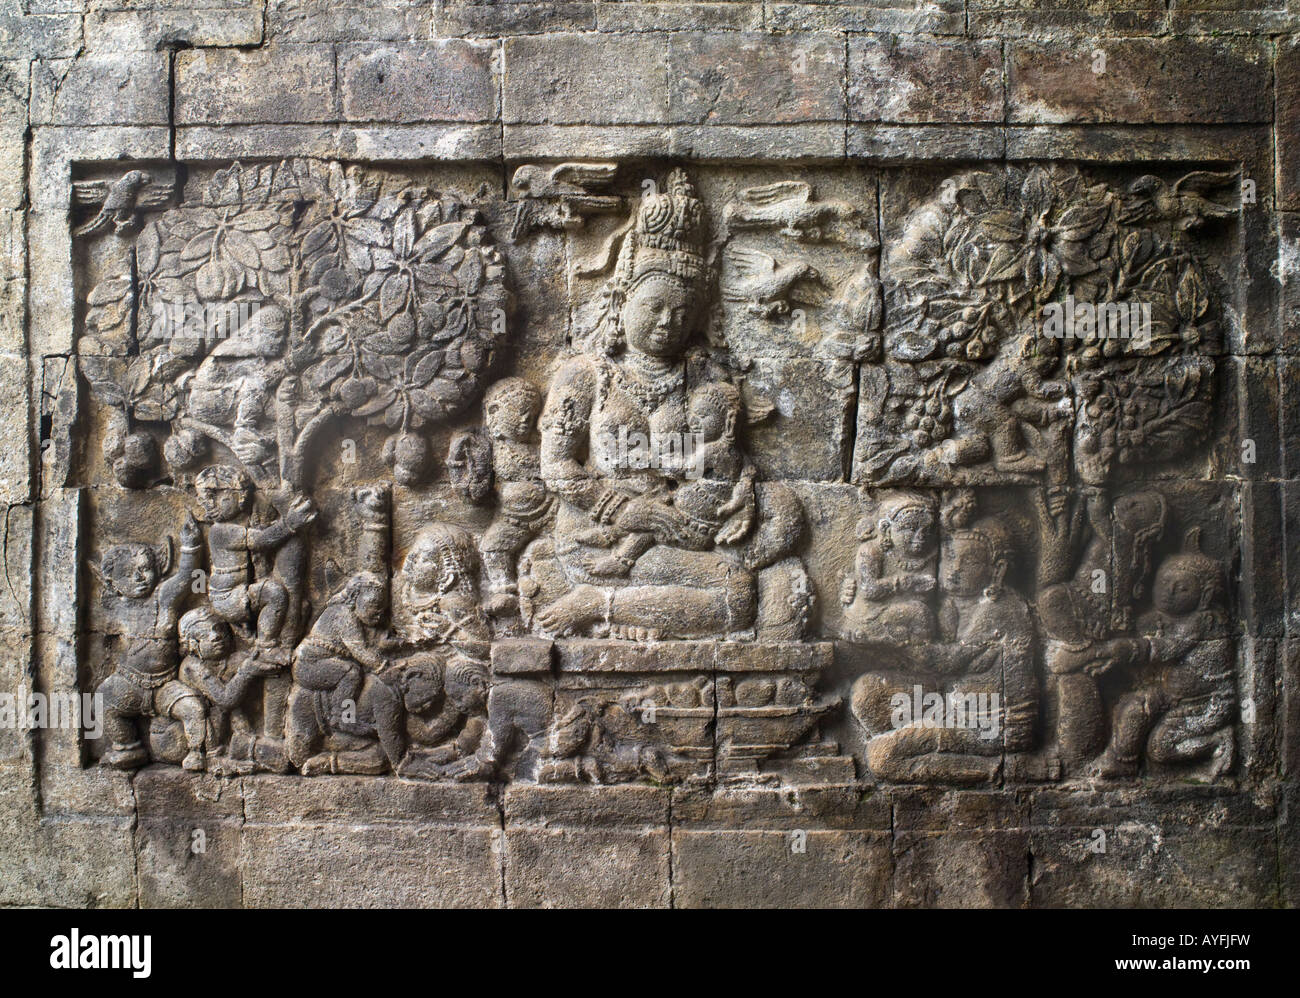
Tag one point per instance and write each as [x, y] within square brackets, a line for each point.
[145, 611]
[717, 483]
[1184, 713]
[234, 384]
[438, 594]
[329, 665]
[1014, 389]
[237, 596]
[887, 595]
[208, 645]
[510, 409]
[463, 721]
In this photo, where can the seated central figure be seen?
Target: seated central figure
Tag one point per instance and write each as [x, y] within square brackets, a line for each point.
[689, 582]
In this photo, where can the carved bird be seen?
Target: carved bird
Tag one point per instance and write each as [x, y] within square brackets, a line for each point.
[788, 206]
[560, 197]
[1185, 204]
[767, 286]
[120, 202]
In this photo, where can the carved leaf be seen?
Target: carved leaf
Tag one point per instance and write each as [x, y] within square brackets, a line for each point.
[321, 237]
[439, 239]
[377, 404]
[404, 232]
[327, 370]
[368, 231]
[426, 367]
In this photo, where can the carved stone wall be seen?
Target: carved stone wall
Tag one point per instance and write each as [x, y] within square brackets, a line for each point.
[803, 454]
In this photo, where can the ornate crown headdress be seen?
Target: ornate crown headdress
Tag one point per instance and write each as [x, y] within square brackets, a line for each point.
[668, 237]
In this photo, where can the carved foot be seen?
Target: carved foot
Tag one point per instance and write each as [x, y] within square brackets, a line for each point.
[611, 566]
[627, 633]
[1023, 462]
[131, 757]
[1224, 754]
[573, 611]
[319, 765]
[502, 605]
[1109, 766]
[194, 761]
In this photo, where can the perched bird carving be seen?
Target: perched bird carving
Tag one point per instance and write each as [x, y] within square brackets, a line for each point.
[119, 202]
[768, 287]
[1188, 204]
[561, 197]
[788, 207]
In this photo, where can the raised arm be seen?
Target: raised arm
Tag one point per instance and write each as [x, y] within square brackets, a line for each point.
[173, 590]
[299, 513]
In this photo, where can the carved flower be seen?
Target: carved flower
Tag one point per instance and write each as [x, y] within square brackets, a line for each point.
[1044, 237]
[1180, 311]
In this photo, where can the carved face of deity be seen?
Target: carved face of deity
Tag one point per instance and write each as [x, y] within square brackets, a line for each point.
[912, 531]
[131, 571]
[656, 314]
[372, 603]
[1177, 591]
[967, 565]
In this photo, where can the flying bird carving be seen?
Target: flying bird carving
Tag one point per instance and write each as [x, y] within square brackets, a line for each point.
[768, 287]
[120, 202]
[789, 207]
[561, 197]
[1188, 204]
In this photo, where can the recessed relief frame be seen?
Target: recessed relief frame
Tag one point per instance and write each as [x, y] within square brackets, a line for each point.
[676, 473]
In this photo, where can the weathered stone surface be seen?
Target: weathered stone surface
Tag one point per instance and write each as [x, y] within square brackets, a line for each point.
[442, 81]
[596, 79]
[1140, 80]
[741, 849]
[14, 88]
[15, 461]
[524, 17]
[305, 21]
[904, 143]
[230, 85]
[897, 78]
[938, 16]
[363, 866]
[1288, 120]
[673, 15]
[755, 79]
[962, 870]
[580, 847]
[100, 90]
[161, 28]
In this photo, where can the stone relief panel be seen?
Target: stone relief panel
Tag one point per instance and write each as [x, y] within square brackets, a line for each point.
[625, 471]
